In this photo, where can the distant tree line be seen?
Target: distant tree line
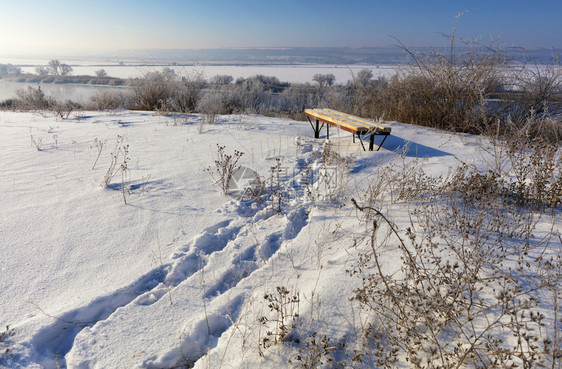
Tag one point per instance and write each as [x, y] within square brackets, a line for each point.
[53, 68]
[9, 69]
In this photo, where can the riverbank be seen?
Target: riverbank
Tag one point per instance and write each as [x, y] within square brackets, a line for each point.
[87, 80]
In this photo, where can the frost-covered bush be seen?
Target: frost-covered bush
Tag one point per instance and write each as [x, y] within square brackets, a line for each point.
[32, 99]
[224, 100]
[154, 90]
[297, 97]
[110, 100]
[189, 92]
[222, 79]
[538, 92]
[63, 109]
[35, 99]
[441, 92]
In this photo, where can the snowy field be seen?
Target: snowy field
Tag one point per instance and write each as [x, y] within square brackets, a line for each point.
[177, 275]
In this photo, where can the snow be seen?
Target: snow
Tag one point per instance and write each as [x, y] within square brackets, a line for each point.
[178, 274]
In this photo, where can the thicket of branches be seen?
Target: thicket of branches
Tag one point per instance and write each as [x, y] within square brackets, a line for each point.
[478, 283]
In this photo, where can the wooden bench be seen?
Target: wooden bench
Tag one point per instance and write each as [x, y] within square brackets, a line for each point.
[350, 123]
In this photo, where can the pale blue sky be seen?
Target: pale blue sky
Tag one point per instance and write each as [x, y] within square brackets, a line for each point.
[65, 26]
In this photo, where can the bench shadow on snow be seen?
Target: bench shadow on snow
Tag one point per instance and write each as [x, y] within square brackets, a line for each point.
[403, 147]
[411, 149]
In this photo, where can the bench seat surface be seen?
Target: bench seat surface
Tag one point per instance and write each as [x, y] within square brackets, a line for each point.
[346, 121]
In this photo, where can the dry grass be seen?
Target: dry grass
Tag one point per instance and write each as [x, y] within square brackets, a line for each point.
[476, 283]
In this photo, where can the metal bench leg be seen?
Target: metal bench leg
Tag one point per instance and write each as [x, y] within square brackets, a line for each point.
[384, 139]
[327, 131]
[361, 140]
[317, 128]
[372, 142]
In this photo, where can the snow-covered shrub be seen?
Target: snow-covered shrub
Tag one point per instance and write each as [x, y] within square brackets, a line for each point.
[155, 88]
[531, 128]
[63, 109]
[35, 99]
[107, 100]
[32, 99]
[221, 79]
[438, 92]
[189, 92]
[255, 97]
[220, 101]
[297, 97]
[547, 128]
[530, 175]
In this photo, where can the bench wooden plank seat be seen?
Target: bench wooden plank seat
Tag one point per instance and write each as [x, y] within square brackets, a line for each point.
[350, 123]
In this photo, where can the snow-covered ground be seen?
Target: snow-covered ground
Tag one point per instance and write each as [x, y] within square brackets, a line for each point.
[180, 273]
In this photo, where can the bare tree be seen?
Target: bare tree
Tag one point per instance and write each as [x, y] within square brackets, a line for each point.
[56, 68]
[101, 73]
[53, 67]
[42, 71]
[363, 77]
[65, 69]
[324, 79]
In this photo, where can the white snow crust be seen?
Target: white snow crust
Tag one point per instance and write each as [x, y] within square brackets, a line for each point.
[177, 275]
